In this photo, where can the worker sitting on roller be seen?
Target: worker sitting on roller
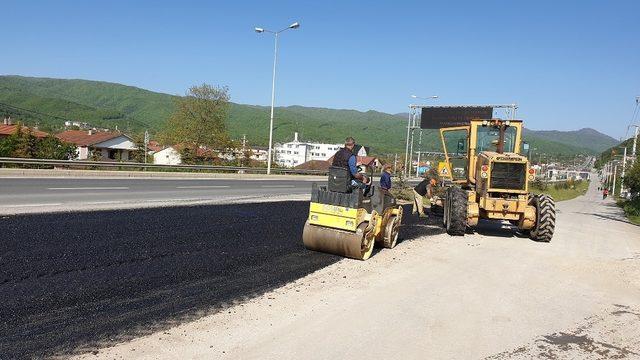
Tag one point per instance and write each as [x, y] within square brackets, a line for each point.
[346, 159]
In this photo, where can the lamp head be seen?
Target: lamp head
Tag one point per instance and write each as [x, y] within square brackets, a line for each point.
[259, 30]
[295, 25]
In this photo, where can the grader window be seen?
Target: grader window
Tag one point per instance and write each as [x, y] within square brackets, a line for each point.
[488, 139]
[456, 146]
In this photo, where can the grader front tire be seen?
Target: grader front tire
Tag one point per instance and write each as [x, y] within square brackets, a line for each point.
[456, 208]
[545, 218]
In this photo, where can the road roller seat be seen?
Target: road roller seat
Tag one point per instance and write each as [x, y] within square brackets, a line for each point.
[339, 180]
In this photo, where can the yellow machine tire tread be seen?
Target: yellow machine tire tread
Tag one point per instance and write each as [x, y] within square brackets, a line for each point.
[456, 211]
[391, 230]
[545, 218]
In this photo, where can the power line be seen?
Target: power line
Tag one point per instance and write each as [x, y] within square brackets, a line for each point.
[128, 119]
[34, 112]
[633, 117]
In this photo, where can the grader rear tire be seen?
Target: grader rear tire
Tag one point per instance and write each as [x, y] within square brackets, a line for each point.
[545, 218]
[456, 211]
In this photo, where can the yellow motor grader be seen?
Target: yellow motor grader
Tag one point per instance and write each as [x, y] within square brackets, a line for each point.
[490, 180]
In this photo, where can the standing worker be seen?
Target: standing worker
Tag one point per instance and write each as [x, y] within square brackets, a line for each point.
[346, 159]
[605, 192]
[425, 187]
[385, 178]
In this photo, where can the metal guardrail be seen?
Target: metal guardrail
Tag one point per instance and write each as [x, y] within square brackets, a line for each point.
[134, 165]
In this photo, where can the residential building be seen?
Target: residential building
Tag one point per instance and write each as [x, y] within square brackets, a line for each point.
[294, 153]
[9, 128]
[103, 145]
[259, 153]
[167, 156]
[322, 165]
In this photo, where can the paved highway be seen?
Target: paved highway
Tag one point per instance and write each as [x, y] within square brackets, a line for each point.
[39, 193]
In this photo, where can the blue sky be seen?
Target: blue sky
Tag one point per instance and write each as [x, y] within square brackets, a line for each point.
[568, 64]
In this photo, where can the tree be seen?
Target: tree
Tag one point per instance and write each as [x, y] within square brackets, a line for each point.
[632, 177]
[137, 155]
[23, 144]
[53, 148]
[198, 121]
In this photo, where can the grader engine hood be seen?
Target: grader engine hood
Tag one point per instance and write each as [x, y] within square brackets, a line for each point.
[507, 172]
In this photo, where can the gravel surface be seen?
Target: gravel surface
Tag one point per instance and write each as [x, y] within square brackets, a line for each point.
[493, 294]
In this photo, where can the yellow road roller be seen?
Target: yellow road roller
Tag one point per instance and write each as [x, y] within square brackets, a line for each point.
[344, 221]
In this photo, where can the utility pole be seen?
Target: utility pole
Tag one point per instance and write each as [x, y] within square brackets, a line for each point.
[635, 140]
[406, 151]
[411, 150]
[244, 146]
[613, 192]
[395, 163]
[624, 165]
[146, 145]
[419, 151]
[610, 173]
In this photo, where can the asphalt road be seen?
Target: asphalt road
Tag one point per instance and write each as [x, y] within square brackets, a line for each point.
[52, 192]
[70, 281]
[493, 295]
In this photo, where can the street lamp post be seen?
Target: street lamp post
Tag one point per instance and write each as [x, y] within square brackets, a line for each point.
[259, 30]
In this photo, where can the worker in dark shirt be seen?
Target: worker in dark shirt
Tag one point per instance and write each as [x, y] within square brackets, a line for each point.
[424, 188]
[385, 178]
[345, 158]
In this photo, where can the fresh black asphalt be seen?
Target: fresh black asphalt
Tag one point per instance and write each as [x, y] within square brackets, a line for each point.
[74, 281]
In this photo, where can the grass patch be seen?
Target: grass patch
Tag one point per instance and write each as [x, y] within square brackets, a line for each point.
[631, 209]
[560, 191]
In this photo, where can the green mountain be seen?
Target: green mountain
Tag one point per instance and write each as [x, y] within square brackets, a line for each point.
[584, 138]
[616, 152]
[49, 102]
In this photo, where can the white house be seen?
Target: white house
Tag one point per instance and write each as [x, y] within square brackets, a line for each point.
[167, 156]
[294, 153]
[259, 153]
[105, 145]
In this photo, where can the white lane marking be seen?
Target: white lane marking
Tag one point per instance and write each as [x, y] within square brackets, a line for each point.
[104, 202]
[32, 205]
[277, 186]
[90, 188]
[203, 187]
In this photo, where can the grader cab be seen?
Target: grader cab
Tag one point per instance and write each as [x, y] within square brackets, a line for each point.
[491, 180]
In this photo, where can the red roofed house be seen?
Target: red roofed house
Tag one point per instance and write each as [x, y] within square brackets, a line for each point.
[314, 165]
[369, 161]
[105, 144]
[7, 129]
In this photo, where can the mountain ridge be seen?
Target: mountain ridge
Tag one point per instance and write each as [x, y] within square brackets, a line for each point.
[109, 104]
